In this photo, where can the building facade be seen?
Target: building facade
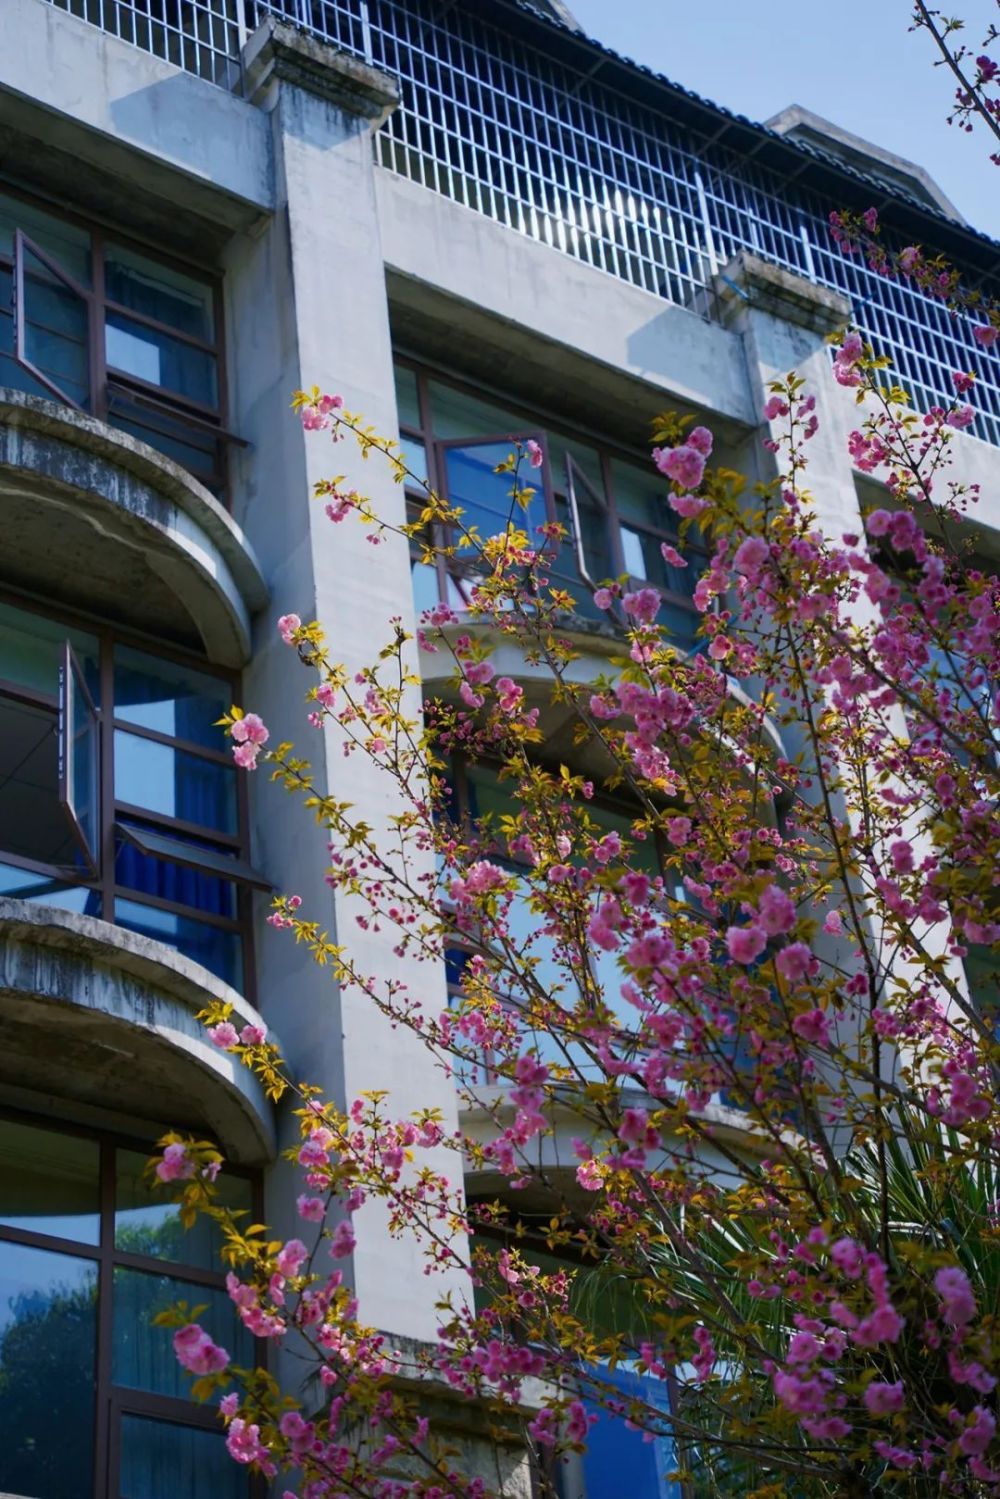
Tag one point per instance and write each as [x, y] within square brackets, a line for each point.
[469, 220]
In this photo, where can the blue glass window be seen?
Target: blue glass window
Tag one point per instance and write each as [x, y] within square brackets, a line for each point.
[174, 783]
[620, 1461]
[31, 649]
[160, 292]
[148, 1223]
[486, 497]
[175, 700]
[49, 1182]
[48, 1339]
[27, 884]
[143, 1356]
[64, 1370]
[161, 1460]
[215, 948]
[156, 358]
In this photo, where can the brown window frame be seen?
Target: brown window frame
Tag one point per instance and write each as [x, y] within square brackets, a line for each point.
[109, 386]
[557, 486]
[113, 812]
[110, 1400]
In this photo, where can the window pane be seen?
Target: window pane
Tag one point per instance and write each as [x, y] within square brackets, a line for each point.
[426, 594]
[174, 783]
[194, 450]
[24, 884]
[66, 243]
[159, 359]
[213, 947]
[618, 1460]
[31, 650]
[48, 1319]
[143, 1355]
[174, 700]
[82, 752]
[407, 400]
[147, 1224]
[414, 455]
[162, 1461]
[33, 822]
[456, 414]
[13, 374]
[156, 291]
[49, 1182]
[485, 496]
[641, 496]
[174, 882]
[56, 330]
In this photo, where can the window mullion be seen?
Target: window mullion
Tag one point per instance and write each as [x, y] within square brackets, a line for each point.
[105, 1321]
[98, 370]
[107, 870]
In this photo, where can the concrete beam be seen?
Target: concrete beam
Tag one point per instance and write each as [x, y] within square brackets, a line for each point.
[524, 314]
[182, 151]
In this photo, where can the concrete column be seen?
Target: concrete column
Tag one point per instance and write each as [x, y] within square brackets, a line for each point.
[308, 307]
[784, 321]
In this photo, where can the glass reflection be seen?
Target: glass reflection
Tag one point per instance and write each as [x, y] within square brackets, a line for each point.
[49, 1182]
[146, 1223]
[48, 1323]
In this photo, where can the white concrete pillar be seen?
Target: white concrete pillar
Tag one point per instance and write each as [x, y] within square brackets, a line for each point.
[308, 307]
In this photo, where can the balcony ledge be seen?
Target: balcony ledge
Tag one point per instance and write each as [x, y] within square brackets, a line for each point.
[100, 519]
[106, 1017]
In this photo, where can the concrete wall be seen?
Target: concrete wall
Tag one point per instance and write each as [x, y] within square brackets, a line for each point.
[590, 328]
[196, 159]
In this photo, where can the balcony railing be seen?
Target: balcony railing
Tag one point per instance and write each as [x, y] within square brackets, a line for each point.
[511, 132]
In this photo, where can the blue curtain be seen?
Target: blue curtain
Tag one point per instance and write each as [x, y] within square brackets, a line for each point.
[620, 1461]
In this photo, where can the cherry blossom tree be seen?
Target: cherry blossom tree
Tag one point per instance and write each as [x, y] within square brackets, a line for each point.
[743, 1008]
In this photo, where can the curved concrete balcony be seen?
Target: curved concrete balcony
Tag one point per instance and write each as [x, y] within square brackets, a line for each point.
[106, 1018]
[596, 644]
[99, 520]
[554, 1159]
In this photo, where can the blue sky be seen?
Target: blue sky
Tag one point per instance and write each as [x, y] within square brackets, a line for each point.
[851, 61]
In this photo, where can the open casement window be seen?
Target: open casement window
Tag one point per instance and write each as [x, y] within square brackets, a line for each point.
[585, 553]
[192, 854]
[467, 472]
[51, 324]
[588, 524]
[79, 759]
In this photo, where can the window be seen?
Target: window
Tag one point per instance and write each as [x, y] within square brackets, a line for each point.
[92, 1400]
[613, 509]
[117, 798]
[617, 1460]
[482, 800]
[115, 332]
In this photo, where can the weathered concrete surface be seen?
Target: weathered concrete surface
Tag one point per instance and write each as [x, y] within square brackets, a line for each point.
[533, 320]
[124, 515]
[189, 160]
[105, 1017]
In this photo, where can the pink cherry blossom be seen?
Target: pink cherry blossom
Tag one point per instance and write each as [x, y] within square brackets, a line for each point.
[342, 1240]
[745, 943]
[882, 1399]
[197, 1353]
[287, 625]
[176, 1164]
[224, 1035]
[685, 465]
